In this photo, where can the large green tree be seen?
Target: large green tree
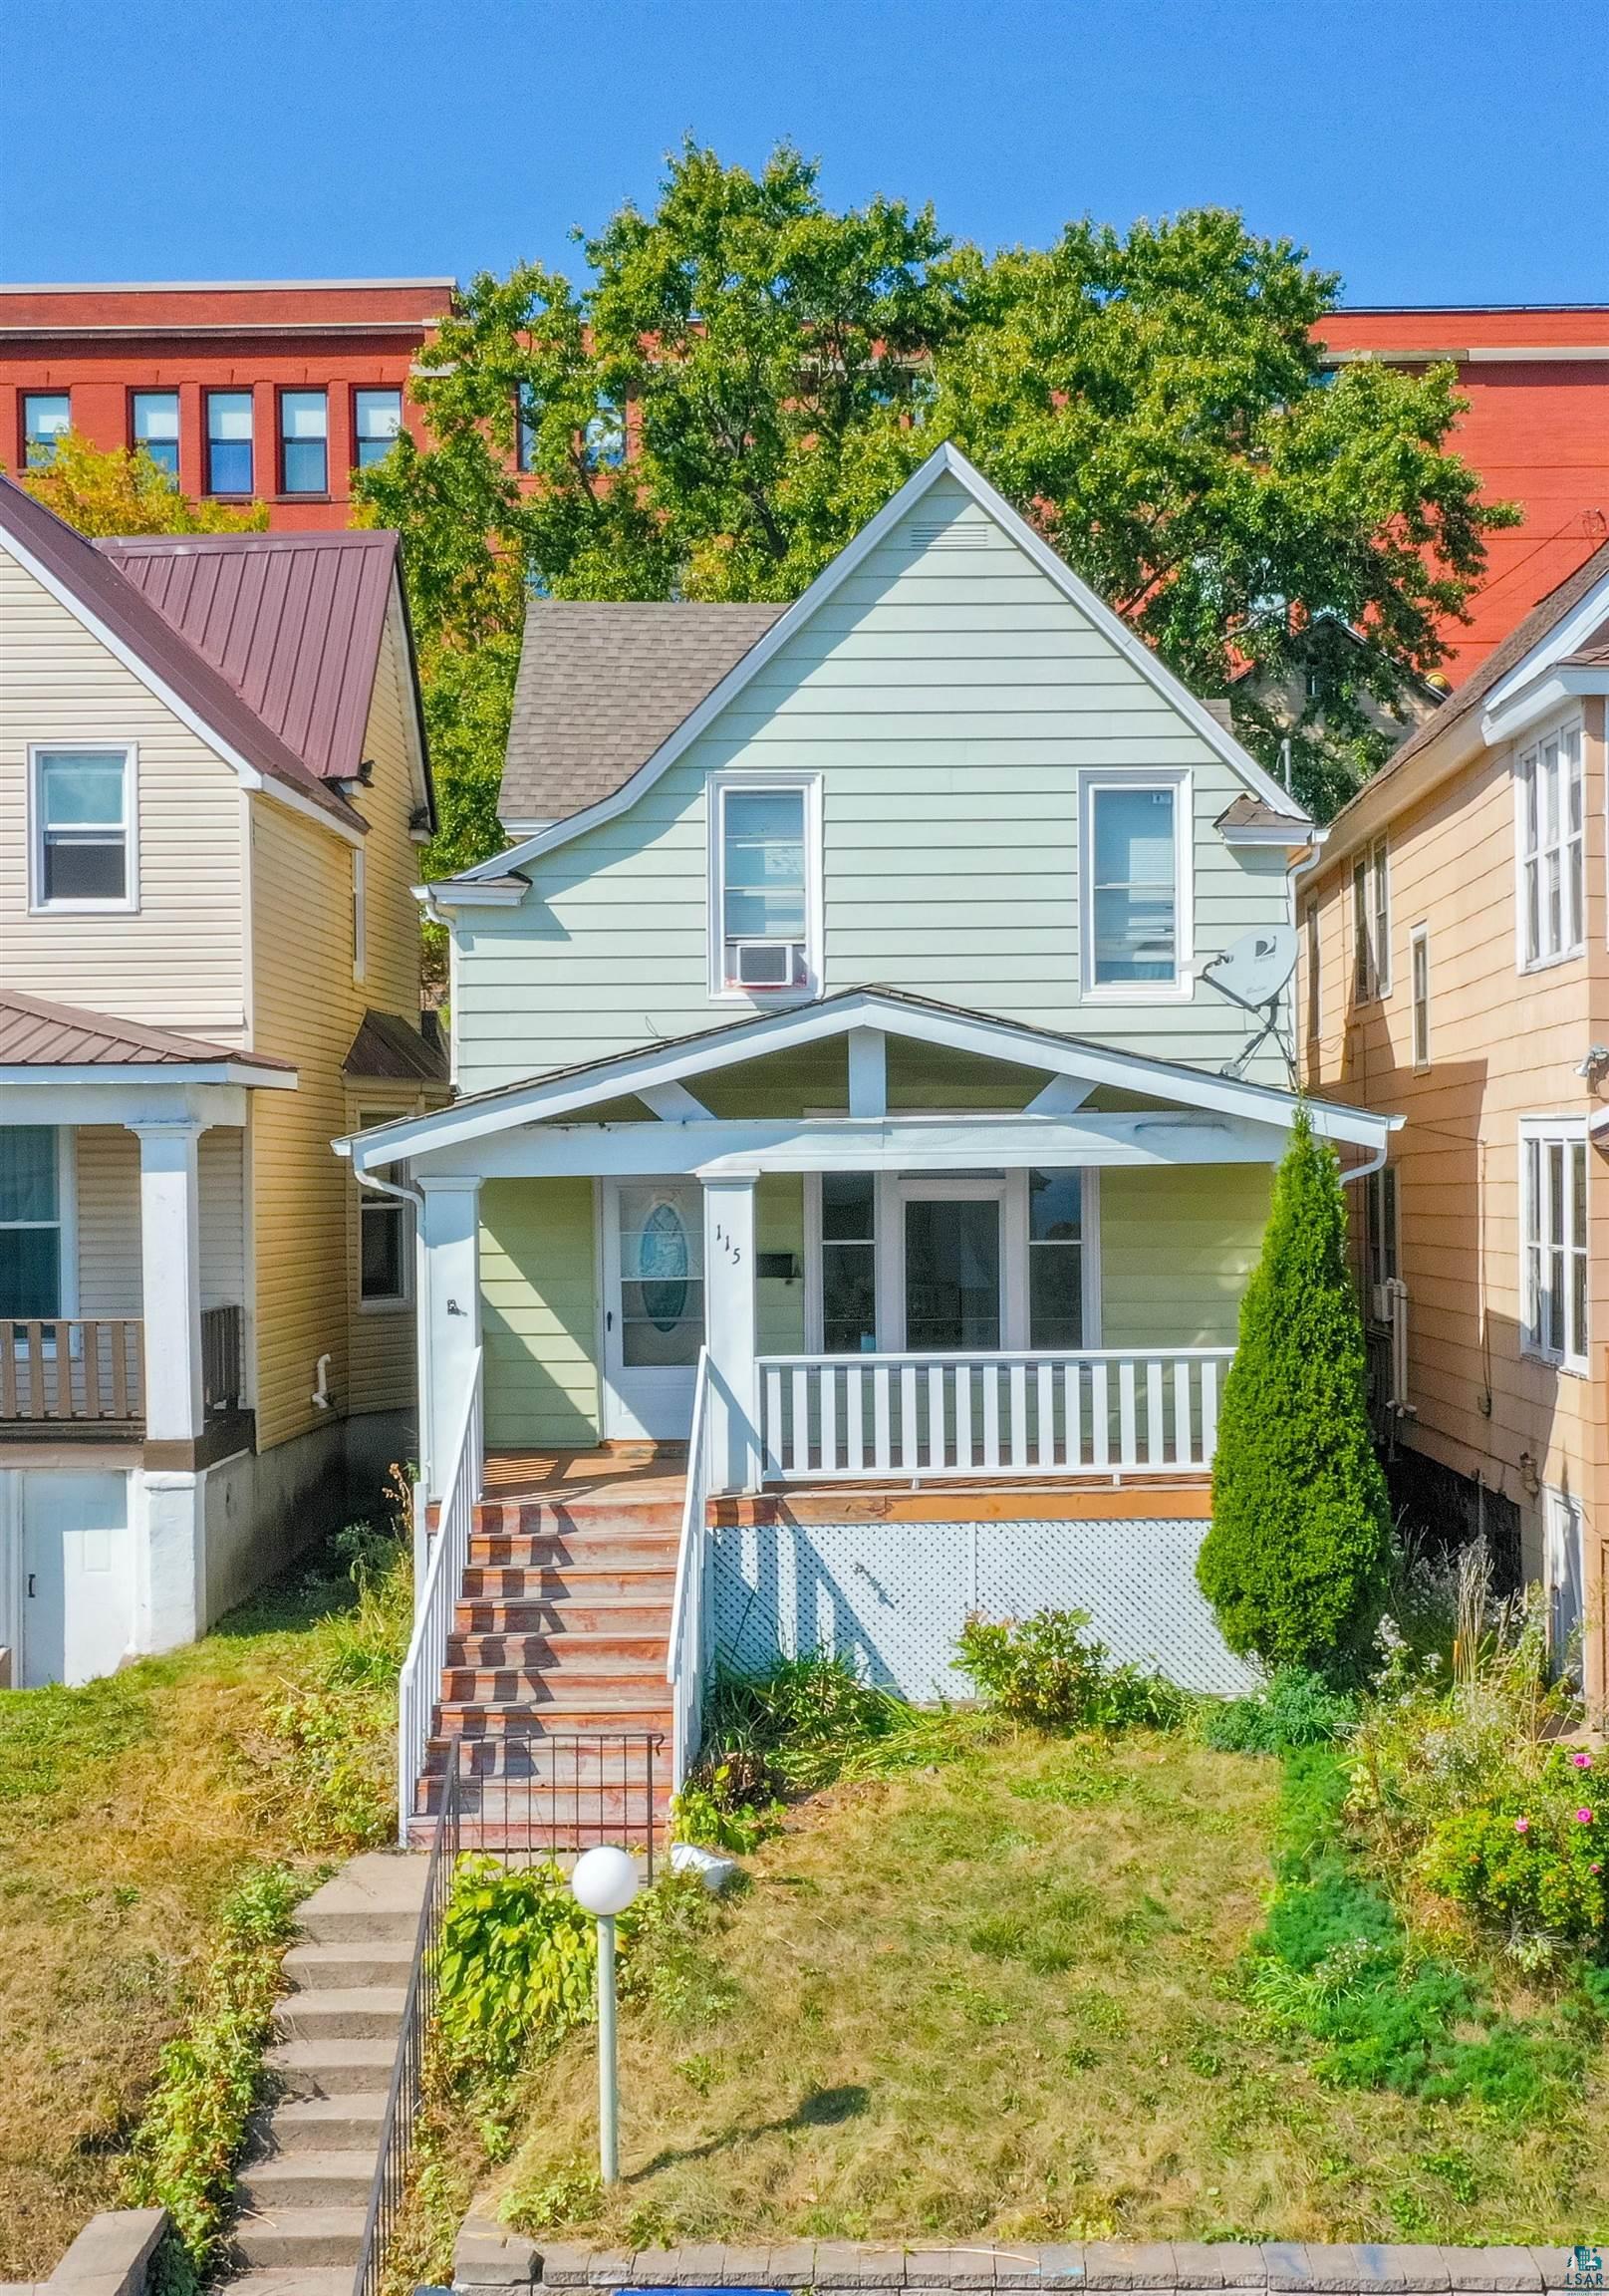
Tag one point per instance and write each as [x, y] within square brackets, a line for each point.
[748, 374]
[120, 491]
[1295, 1561]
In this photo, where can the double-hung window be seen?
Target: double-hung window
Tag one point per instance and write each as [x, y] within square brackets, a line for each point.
[83, 812]
[377, 418]
[1136, 908]
[304, 443]
[154, 425]
[1419, 954]
[1371, 922]
[848, 1263]
[385, 1238]
[1553, 1240]
[228, 442]
[765, 886]
[527, 421]
[30, 1222]
[1056, 1258]
[47, 417]
[1551, 895]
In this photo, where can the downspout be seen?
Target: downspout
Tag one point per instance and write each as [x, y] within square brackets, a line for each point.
[422, 1488]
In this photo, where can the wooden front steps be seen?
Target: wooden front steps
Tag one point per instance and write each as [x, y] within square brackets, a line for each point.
[555, 1672]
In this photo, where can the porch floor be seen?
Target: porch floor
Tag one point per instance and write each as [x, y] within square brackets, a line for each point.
[635, 1473]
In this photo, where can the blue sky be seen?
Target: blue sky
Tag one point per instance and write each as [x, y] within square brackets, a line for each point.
[1428, 152]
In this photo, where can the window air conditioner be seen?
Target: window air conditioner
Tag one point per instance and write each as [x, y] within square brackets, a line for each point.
[766, 964]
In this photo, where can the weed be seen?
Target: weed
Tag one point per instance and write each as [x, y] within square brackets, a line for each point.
[1047, 1672]
[1296, 1708]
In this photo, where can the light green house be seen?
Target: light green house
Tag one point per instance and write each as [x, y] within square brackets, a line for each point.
[863, 1068]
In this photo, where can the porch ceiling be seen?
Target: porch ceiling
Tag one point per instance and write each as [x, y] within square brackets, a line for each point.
[549, 1124]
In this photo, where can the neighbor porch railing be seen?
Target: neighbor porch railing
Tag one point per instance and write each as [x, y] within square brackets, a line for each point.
[56, 1369]
[1099, 1411]
[684, 1659]
[420, 1687]
[222, 1358]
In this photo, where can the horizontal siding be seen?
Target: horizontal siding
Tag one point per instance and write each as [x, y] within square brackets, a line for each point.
[539, 1312]
[178, 963]
[1176, 1248]
[948, 696]
[106, 1183]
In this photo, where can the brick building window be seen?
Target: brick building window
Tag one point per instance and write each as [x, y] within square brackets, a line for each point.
[376, 423]
[46, 417]
[155, 429]
[228, 442]
[304, 443]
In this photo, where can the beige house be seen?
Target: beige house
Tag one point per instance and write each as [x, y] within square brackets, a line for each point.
[212, 785]
[1456, 969]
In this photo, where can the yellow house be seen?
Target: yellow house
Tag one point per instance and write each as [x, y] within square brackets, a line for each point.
[212, 786]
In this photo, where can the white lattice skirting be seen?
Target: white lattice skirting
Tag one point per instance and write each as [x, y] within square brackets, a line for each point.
[894, 1595]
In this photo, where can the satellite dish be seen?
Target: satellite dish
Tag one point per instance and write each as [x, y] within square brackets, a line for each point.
[1254, 974]
[1255, 969]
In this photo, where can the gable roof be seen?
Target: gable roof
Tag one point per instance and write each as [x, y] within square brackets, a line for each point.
[898, 1012]
[387, 1048]
[1538, 625]
[292, 621]
[89, 582]
[36, 1033]
[602, 686]
[946, 462]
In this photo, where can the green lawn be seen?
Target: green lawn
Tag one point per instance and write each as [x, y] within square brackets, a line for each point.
[1006, 1997]
[129, 1809]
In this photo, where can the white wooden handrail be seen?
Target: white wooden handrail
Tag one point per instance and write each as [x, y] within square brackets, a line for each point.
[1013, 1411]
[420, 1684]
[684, 1658]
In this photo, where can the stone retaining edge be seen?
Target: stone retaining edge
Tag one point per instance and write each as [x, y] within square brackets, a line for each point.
[488, 2257]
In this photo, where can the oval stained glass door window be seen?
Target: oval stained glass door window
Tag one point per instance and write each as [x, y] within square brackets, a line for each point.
[662, 1255]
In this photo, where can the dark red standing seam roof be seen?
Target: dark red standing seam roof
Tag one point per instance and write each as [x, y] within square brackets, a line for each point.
[36, 1033]
[94, 578]
[293, 621]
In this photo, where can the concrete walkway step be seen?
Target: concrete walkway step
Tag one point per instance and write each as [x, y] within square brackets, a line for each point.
[302, 2236]
[378, 1894]
[342, 2013]
[321, 2124]
[329, 2180]
[318, 1968]
[294, 2280]
[307, 2070]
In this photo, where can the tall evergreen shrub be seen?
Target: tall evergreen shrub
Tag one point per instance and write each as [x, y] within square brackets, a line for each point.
[1295, 1563]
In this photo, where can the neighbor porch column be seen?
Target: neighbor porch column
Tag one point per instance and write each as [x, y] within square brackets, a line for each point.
[170, 1277]
[731, 1332]
[449, 1317]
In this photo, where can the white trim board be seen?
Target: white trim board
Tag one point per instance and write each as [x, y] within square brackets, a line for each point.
[946, 462]
[1011, 1041]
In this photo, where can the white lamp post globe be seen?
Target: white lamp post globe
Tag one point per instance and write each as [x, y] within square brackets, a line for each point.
[603, 1881]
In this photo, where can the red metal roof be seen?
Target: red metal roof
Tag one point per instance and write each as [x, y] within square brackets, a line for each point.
[34, 1033]
[292, 621]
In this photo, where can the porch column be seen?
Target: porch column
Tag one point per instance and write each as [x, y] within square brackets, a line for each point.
[731, 1332]
[170, 1275]
[448, 1316]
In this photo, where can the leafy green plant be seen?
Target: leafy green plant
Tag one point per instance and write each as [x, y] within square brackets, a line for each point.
[707, 1811]
[190, 2137]
[793, 1726]
[1295, 1707]
[1532, 1862]
[1047, 1672]
[1295, 1560]
[518, 1959]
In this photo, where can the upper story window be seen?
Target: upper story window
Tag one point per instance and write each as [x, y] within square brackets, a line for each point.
[30, 1222]
[228, 442]
[1136, 908]
[1553, 1239]
[377, 420]
[527, 415]
[1418, 950]
[604, 439]
[304, 443]
[83, 805]
[1371, 922]
[1551, 869]
[154, 426]
[46, 415]
[765, 886]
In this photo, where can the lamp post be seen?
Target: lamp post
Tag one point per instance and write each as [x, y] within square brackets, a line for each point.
[604, 1884]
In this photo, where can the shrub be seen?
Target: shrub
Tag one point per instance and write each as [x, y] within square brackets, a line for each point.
[1296, 1707]
[1042, 1671]
[1532, 1864]
[1294, 1562]
[709, 1812]
[518, 1958]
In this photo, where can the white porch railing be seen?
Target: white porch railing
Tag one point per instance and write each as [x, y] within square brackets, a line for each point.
[436, 1601]
[685, 1661]
[1099, 1411]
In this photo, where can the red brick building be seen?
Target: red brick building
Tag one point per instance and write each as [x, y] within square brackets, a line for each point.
[273, 389]
[1538, 430]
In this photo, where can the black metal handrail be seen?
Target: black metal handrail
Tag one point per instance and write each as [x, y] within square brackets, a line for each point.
[389, 2188]
[530, 1795]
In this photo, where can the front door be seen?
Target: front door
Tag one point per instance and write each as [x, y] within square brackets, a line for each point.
[654, 1307]
[950, 1241]
[78, 1576]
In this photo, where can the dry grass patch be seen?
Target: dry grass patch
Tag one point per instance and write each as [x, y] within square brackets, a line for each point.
[1005, 1998]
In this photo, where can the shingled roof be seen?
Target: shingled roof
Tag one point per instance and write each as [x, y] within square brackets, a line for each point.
[34, 1033]
[292, 621]
[602, 686]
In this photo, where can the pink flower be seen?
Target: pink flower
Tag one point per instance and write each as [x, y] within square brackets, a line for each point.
[1522, 1825]
[1595, 1867]
[1583, 1817]
[1583, 1759]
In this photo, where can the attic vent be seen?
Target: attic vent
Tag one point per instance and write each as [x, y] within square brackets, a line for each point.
[954, 535]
